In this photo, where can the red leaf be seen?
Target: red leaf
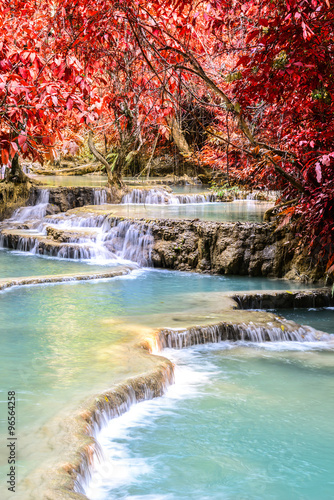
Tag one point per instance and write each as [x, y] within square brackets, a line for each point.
[4, 156]
[13, 149]
[69, 104]
[21, 139]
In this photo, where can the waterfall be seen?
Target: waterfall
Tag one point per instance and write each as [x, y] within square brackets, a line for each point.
[162, 197]
[150, 197]
[179, 339]
[100, 196]
[110, 405]
[37, 211]
[130, 241]
[67, 236]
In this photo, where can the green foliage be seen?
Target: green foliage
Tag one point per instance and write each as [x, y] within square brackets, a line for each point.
[280, 60]
[223, 191]
[322, 95]
[232, 77]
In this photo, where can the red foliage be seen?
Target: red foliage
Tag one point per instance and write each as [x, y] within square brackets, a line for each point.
[286, 90]
[263, 68]
[41, 86]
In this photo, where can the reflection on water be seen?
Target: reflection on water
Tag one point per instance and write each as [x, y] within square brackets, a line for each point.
[72, 180]
[240, 423]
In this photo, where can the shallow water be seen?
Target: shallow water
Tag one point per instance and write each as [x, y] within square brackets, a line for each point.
[98, 180]
[62, 343]
[322, 319]
[19, 264]
[193, 189]
[242, 211]
[242, 422]
[72, 180]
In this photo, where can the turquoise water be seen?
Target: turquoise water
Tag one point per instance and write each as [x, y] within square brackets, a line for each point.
[64, 342]
[242, 211]
[322, 319]
[15, 264]
[242, 422]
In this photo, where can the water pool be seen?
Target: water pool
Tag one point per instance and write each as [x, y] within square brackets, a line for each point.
[323, 319]
[19, 264]
[239, 210]
[63, 343]
[242, 422]
[72, 180]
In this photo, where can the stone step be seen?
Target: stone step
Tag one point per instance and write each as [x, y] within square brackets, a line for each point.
[29, 241]
[71, 235]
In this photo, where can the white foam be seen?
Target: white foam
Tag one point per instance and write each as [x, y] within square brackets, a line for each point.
[118, 467]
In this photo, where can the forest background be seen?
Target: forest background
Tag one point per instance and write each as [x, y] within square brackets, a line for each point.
[245, 89]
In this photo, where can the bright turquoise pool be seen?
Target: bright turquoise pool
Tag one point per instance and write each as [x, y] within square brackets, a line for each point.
[323, 319]
[251, 211]
[65, 342]
[242, 422]
[19, 264]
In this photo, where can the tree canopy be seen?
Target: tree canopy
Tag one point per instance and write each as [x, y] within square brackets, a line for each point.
[261, 72]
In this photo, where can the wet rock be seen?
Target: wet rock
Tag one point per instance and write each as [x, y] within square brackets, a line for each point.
[52, 209]
[67, 198]
[285, 300]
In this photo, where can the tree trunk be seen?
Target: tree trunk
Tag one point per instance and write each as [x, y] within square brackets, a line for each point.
[178, 137]
[114, 170]
[15, 173]
[268, 213]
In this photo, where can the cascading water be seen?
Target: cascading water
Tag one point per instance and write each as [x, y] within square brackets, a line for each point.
[100, 196]
[162, 197]
[37, 211]
[98, 237]
[240, 422]
[91, 238]
[232, 337]
[233, 332]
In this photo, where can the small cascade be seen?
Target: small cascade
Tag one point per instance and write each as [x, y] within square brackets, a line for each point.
[150, 197]
[162, 197]
[34, 212]
[67, 221]
[196, 198]
[179, 339]
[100, 196]
[111, 405]
[85, 237]
[130, 241]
